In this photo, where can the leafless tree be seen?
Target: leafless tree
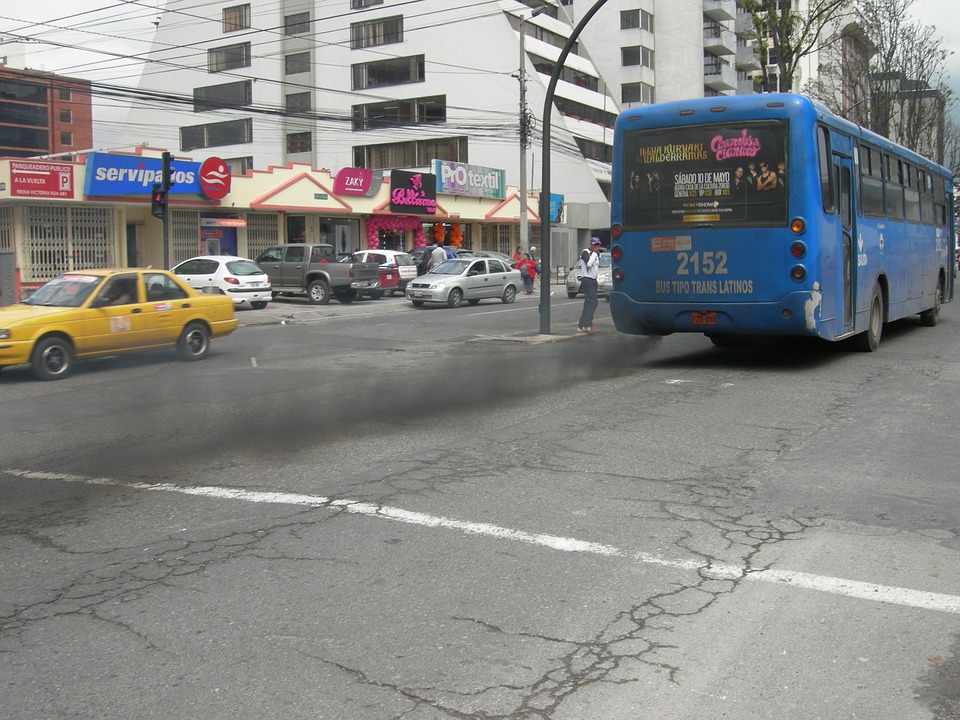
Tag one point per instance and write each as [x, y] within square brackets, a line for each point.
[786, 35]
[897, 84]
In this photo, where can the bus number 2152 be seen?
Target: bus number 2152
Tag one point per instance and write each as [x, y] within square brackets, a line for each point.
[706, 263]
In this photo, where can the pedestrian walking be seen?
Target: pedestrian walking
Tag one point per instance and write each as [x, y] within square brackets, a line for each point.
[439, 255]
[517, 255]
[589, 269]
[528, 272]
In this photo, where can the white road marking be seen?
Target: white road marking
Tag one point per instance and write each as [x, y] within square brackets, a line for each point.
[837, 586]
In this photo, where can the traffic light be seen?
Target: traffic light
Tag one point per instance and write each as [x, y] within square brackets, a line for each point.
[158, 200]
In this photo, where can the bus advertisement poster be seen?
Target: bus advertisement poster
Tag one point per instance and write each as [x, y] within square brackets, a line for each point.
[718, 174]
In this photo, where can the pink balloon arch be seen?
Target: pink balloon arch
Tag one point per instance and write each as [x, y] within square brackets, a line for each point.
[400, 223]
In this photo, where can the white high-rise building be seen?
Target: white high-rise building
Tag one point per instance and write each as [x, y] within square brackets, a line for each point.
[399, 83]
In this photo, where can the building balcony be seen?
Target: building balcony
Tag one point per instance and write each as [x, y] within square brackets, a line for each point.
[720, 75]
[720, 9]
[747, 59]
[719, 42]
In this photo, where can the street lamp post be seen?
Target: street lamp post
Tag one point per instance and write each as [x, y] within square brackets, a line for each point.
[545, 166]
[526, 118]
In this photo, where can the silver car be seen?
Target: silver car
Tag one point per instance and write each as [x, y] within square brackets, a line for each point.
[468, 278]
[604, 281]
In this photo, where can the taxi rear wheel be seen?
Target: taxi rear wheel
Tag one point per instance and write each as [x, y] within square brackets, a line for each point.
[194, 342]
[52, 359]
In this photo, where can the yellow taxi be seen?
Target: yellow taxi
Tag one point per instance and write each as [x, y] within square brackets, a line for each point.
[91, 313]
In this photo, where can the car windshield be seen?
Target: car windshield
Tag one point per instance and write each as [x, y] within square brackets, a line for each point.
[451, 267]
[65, 291]
[605, 260]
[244, 267]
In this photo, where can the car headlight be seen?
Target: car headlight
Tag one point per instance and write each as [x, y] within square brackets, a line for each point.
[4, 334]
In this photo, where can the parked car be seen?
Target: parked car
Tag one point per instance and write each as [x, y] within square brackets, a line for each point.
[604, 280]
[405, 265]
[91, 313]
[467, 278]
[238, 278]
[312, 269]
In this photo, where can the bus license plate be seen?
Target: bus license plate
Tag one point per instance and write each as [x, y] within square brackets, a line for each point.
[703, 318]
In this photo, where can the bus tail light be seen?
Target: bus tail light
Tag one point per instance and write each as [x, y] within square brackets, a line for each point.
[616, 230]
[797, 226]
[798, 273]
[798, 249]
[617, 275]
[616, 252]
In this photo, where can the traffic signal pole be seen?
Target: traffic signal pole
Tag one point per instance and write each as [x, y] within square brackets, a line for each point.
[165, 218]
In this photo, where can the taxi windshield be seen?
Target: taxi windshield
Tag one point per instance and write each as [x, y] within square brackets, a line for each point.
[65, 291]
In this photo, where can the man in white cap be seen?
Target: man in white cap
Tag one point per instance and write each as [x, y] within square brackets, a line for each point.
[590, 268]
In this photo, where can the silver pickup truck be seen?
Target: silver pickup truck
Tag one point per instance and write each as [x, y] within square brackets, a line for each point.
[312, 270]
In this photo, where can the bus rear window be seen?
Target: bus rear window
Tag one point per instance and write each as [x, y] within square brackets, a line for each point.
[723, 174]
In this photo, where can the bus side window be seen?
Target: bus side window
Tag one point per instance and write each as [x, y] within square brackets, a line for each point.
[826, 177]
[846, 206]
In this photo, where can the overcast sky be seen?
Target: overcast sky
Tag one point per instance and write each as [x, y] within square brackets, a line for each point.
[88, 38]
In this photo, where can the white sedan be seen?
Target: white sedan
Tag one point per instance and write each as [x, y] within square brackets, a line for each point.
[468, 278]
[238, 278]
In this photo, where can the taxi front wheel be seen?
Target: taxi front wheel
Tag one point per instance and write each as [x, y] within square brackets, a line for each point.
[52, 359]
[194, 342]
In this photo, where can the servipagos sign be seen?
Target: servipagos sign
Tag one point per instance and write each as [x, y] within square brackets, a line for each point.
[455, 178]
[112, 175]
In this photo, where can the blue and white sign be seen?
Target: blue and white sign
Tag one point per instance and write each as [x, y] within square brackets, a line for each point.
[110, 175]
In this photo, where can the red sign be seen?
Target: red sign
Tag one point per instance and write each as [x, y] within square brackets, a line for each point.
[37, 179]
[357, 181]
[214, 178]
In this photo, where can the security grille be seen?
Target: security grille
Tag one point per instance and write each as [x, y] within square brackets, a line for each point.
[184, 235]
[262, 232]
[6, 228]
[61, 239]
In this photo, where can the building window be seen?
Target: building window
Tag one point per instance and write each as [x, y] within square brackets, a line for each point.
[230, 132]
[299, 142]
[571, 75]
[236, 18]
[636, 20]
[376, 32]
[19, 114]
[64, 93]
[22, 91]
[66, 116]
[418, 153]
[239, 165]
[391, 113]
[395, 71]
[637, 93]
[296, 24]
[298, 103]
[593, 150]
[228, 95]
[228, 57]
[296, 63]
[582, 111]
[358, 4]
[66, 138]
[636, 55]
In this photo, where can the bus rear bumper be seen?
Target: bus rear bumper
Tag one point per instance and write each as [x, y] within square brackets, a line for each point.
[796, 314]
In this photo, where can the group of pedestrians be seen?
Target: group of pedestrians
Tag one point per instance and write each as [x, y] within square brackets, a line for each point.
[529, 268]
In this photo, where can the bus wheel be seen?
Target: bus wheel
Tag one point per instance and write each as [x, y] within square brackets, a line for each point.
[932, 316]
[869, 340]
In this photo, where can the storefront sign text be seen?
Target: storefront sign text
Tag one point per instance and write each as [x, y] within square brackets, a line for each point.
[455, 178]
[414, 193]
[357, 181]
[112, 175]
[41, 180]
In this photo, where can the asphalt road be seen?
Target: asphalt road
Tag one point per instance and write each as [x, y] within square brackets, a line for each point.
[370, 511]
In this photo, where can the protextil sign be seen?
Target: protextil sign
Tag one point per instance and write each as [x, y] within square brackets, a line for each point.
[455, 178]
[112, 175]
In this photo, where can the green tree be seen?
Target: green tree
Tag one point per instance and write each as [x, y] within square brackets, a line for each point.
[786, 35]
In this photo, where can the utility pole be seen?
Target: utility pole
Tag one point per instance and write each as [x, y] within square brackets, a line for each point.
[526, 125]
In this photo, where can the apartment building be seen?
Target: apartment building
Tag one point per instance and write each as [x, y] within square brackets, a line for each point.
[377, 84]
[43, 114]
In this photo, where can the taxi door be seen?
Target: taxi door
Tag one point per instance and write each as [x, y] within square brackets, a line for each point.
[165, 311]
[115, 318]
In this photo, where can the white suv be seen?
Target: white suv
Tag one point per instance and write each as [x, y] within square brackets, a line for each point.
[389, 260]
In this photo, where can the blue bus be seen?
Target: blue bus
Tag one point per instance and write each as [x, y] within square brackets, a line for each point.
[759, 215]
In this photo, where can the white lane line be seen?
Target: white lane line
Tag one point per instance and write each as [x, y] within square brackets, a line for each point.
[821, 583]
